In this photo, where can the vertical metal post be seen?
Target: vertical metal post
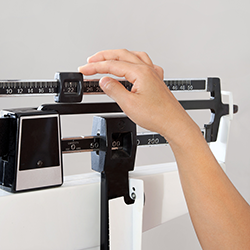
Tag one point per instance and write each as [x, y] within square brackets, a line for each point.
[104, 213]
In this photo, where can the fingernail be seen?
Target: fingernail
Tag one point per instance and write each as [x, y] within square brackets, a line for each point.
[103, 81]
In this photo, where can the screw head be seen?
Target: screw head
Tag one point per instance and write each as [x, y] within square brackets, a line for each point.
[133, 196]
[121, 124]
[39, 163]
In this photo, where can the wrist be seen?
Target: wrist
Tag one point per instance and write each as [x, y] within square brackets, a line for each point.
[183, 134]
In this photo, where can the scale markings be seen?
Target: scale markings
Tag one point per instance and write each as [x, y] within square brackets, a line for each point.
[22, 87]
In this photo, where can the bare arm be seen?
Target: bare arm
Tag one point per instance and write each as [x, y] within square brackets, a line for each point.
[220, 215]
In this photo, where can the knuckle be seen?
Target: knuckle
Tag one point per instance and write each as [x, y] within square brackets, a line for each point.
[145, 57]
[146, 69]
[143, 69]
[143, 54]
[124, 51]
[161, 70]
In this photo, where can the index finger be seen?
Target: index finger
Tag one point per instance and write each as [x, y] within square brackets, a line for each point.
[117, 68]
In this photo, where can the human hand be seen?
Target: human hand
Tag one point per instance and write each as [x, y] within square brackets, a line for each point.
[150, 103]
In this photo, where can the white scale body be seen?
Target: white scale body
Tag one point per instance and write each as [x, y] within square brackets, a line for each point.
[68, 217]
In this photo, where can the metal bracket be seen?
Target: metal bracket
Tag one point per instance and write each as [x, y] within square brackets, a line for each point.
[114, 160]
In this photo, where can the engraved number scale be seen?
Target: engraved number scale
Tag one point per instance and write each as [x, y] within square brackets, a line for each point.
[90, 86]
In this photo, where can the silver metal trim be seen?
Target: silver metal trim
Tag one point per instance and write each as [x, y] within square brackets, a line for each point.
[41, 177]
[80, 151]
[30, 94]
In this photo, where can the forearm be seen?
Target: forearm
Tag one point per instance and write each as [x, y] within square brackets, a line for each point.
[220, 215]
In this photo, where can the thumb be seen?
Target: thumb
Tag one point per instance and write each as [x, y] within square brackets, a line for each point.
[115, 90]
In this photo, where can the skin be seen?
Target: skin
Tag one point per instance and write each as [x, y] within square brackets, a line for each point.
[221, 217]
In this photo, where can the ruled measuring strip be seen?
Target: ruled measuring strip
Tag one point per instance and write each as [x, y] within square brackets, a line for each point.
[50, 87]
[92, 143]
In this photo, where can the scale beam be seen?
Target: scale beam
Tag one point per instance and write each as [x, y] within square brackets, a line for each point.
[70, 87]
[92, 143]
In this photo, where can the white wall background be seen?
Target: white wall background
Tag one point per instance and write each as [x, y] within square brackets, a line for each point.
[194, 38]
